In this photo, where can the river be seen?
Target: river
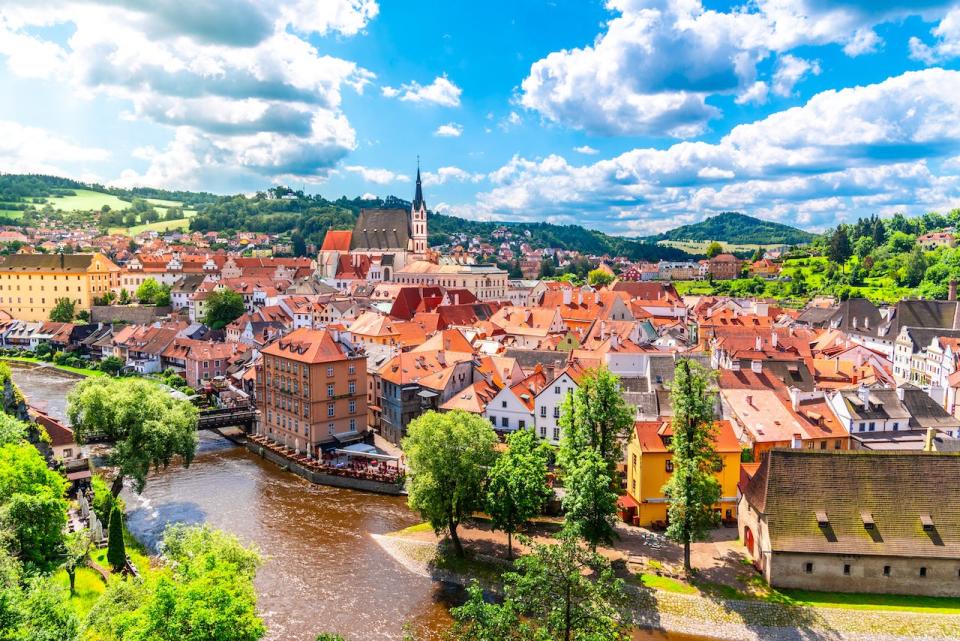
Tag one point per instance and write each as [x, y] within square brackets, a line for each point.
[323, 571]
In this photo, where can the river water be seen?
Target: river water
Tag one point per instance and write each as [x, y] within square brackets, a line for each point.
[323, 571]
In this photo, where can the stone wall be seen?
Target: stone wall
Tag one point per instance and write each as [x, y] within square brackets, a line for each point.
[866, 574]
[133, 314]
[325, 479]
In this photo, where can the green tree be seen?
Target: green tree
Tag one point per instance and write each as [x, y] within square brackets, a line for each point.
[839, 250]
[517, 486]
[298, 243]
[714, 249]
[692, 489]
[12, 431]
[148, 291]
[595, 416]
[124, 297]
[448, 456]
[76, 549]
[45, 614]
[916, 266]
[111, 364]
[63, 311]
[36, 522]
[479, 620]
[599, 277]
[116, 548]
[589, 501]
[863, 246]
[146, 425]
[223, 307]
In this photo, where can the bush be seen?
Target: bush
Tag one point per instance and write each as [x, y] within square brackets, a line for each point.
[116, 548]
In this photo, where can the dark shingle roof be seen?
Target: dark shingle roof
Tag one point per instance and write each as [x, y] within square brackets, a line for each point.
[895, 488]
[381, 229]
[817, 317]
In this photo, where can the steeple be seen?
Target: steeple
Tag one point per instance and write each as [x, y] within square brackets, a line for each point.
[418, 196]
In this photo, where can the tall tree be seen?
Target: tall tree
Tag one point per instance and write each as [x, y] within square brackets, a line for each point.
[76, 549]
[148, 291]
[298, 243]
[599, 277]
[448, 456]
[63, 311]
[692, 489]
[840, 249]
[116, 547]
[517, 486]
[714, 249]
[916, 267]
[223, 307]
[595, 416]
[146, 425]
[590, 502]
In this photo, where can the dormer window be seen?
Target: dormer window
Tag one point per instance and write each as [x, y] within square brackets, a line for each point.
[926, 522]
[822, 519]
[868, 522]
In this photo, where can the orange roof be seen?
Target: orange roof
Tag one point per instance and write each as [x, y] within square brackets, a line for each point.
[307, 346]
[473, 399]
[654, 436]
[337, 240]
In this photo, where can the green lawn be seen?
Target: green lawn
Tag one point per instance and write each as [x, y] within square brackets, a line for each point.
[931, 604]
[86, 200]
[181, 224]
[11, 213]
[700, 246]
[66, 368]
[665, 583]
[87, 588]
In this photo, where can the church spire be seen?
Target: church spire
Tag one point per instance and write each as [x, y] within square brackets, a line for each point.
[418, 196]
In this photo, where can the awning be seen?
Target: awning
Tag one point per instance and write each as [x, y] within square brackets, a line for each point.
[371, 455]
[347, 437]
[626, 501]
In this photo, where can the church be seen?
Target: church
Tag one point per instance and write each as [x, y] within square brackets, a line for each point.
[383, 241]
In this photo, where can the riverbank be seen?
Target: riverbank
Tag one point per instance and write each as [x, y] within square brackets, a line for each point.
[696, 612]
[79, 371]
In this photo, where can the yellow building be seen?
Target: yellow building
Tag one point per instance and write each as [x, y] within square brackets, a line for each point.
[31, 284]
[650, 464]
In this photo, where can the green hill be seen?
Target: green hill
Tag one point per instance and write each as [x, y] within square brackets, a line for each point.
[736, 228]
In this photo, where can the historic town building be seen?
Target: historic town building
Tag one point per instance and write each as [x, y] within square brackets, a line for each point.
[31, 284]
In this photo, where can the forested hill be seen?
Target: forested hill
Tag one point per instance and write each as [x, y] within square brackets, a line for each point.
[733, 227]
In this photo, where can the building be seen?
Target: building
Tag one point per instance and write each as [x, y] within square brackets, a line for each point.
[312, 390]
[936, 239]
[485, 282]
[855, 521]
[31, 284]
[724, 267]
[650, 464]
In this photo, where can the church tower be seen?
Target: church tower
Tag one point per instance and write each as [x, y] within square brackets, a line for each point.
[418, 220]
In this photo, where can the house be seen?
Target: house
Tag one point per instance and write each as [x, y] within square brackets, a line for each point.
[724, 267]
[855, 521]
[549, 400]
[200, 361]
[650, 465]
[513, 406]
[31, 284]
[312, 391]
[935, 239]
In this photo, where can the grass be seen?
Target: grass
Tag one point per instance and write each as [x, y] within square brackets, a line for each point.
[11, 213]
[665, 584]
[700, 246]
[87, 588]
[66, 368]
[895, 602]
[414, 529]
[181, 224]
[86, 200]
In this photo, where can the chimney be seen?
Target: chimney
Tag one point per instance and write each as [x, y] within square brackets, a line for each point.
[931, 432]
[579, 297]
[797, 441]
[795, 399]
[758, 344]
[864, 393]
[900, 393]
[952, 289]
[567, 295]
[773, 339]
[756, 366]
[866, 322]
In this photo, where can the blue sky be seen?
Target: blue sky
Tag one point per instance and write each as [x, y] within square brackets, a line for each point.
[630, 116]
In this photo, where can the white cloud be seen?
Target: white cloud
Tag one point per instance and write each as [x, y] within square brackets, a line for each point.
[947, 44]
[790, 71]
[513, 119]
[368, 196]
[378, 176]
[754, 94]
[441, 92]
[450, 174]
[852, 144]
[449, 130]
[232, 78]
[651, 70]
[587, 150]
[26, 149]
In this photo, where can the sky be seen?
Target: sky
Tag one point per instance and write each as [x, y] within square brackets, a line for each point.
[628, 116]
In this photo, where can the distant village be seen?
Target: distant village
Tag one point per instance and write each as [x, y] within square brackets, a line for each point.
[834, 422]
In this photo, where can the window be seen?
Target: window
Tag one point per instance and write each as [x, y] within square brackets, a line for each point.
[330, 428]
[330, 407]
[846, 569]
[808, 567]
[353, 406]
[862, 427]
[556, 390]
[896, 426]
[543, 411]
[503, 404]
[556, 412]
[329, 371]
[352, 387]
[352, 369]
[493, 419]
[543, 431]
[823, 445]
[923, 572]
[353, 425]
[873, 426]
[504, 422]
[329, 390]
[556, 433]
[668, 466]
[886, 570]
[522, 424]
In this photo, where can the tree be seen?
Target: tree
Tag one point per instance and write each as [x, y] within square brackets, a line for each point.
[124, 297]
[599, 277]
[111, 364]
[12, 431]
[223, 307]
[692, 489]
[148, 291]
[916, 266]
[448, 456]
[590, 502]
[839, 250]
[116, 548]
[714, 249]
[76, 549]
[560, 591]
[45, 614]
[299, 244]
[147, 426]
[517, 486]
[595, 416]
[63, 311]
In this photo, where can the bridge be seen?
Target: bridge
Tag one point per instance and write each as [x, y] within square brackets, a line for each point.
[243, 416]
